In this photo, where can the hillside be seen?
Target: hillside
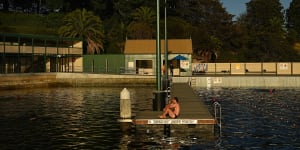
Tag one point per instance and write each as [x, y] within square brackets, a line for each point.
[29, 23]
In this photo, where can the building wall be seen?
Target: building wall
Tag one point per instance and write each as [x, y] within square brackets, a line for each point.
[113, 63]
[130, 64]
[24, 53]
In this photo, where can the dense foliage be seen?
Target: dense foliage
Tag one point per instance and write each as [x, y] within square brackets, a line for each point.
[293, 21]
[260, 34]
[84, 24]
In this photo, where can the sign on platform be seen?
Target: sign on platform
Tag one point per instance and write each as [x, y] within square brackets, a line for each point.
[283, 66]
[172, 121]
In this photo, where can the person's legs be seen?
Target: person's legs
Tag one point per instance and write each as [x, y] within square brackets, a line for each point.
[171, 114]
[166, 112]
[166, 107]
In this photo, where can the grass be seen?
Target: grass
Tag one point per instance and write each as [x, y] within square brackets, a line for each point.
[26, 24]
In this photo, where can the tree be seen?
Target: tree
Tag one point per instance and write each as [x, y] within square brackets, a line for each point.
[142, 26]
[83, 24]
[211, 24]
[267, 38]
[116, 35]
[5, 4]
[183, 28]
[239, 39]
[293, 19]
[54, 4]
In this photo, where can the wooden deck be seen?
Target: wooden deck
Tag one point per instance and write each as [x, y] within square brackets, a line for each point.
[193, 110]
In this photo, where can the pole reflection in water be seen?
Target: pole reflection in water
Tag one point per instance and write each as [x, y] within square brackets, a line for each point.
[87, 118]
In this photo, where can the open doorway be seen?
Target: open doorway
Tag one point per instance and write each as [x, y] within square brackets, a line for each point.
[144, 67]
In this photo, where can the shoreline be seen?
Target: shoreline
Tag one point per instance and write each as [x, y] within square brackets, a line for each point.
[52, 80]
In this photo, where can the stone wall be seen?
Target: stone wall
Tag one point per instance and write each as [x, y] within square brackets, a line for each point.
[45, 80]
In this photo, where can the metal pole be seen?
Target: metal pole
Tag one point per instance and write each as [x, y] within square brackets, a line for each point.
[19, 58]
[4, 53]
[158, 53]
[167, 127]
[32, 55]
[166, 46]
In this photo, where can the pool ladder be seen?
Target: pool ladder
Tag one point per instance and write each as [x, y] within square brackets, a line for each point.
[218, 115]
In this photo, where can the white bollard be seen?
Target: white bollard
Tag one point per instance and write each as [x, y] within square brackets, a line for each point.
[125, 104]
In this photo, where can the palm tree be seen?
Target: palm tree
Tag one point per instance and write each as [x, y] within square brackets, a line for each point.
[142, 26]
[84, 24]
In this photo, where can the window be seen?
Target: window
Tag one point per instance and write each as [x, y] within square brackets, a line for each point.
[144, 64]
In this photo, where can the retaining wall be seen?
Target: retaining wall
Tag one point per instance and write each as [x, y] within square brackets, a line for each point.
[41, 80]
[242, 81]
[45, 80]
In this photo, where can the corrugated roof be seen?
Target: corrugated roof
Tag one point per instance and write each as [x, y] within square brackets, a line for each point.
[177, 46]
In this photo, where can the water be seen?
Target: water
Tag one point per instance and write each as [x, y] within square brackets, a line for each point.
[62, 118]
[87, 118]
[257, 118]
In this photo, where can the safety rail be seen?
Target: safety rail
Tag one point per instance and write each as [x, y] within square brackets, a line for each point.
[247, 68]
[218, 115]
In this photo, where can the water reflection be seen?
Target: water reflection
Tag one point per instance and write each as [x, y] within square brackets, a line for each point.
[62, 118]
[86, 118]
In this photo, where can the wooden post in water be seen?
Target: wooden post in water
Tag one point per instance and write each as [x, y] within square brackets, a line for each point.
[125, 110]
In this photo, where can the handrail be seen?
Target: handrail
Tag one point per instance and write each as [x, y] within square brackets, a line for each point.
[218, 118]
[247, 68]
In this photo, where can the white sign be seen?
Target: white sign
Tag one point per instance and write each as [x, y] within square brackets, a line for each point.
[172, 121]
[199, 67]
[185, 64]
[283, 66]
[130, 65]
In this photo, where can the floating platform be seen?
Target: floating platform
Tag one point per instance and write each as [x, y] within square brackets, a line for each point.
[151, 117]
[192, 110]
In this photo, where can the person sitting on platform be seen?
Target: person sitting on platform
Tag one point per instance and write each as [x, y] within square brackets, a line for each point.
[172, 109]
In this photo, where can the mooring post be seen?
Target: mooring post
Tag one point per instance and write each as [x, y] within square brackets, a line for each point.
[125, 110]
[125, 104]
[167, 130]
[159, 101]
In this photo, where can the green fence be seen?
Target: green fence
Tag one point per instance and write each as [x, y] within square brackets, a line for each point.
[112, 64]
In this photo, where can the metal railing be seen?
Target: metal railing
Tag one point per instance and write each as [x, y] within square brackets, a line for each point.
[218, 116]
[247, 68]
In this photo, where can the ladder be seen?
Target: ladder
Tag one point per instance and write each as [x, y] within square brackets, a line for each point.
[192, 81]
[218, 115]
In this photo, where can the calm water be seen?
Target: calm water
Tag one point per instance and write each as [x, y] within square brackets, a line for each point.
[258, 119]
[86, 118]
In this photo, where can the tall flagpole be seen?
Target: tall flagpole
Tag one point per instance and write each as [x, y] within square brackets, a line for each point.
[158, 53]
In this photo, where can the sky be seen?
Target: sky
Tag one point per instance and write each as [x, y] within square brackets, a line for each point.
[236, 7]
